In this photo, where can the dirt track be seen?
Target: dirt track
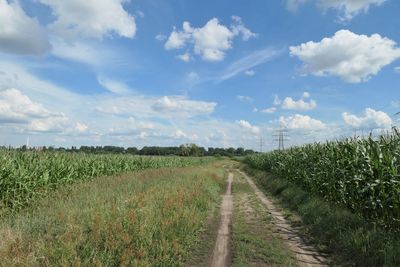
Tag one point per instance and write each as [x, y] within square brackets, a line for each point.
[221, 252]
[306, 255]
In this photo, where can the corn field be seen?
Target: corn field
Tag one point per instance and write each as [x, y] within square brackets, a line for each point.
[360, 174]
[30, 174]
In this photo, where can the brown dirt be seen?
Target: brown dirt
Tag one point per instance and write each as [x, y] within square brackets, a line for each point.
[306, 255]
[222, 252]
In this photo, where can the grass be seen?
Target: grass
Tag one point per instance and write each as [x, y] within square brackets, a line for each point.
[253, 240]
[349, 238]
[148, 218]
[28, 175]
[204, 245]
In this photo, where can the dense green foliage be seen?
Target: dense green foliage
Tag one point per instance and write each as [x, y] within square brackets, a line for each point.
[189, 150]
[347, 238]
[360, 174]
[29, 174]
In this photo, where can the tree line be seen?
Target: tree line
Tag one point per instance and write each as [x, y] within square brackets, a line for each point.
[191, 150]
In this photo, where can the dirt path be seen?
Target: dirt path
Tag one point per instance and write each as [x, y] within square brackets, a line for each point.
[221, 252]
[305, 255]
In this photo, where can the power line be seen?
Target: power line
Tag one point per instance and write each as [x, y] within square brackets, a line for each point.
[261, 144]
[281, 137]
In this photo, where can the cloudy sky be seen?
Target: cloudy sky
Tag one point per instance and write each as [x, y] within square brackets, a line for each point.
[216, 73]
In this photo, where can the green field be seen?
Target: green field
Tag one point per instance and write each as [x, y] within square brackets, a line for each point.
[26, 175]
[79, 209]
[346, 193]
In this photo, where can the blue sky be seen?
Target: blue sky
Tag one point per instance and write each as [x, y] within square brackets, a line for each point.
[216, 73]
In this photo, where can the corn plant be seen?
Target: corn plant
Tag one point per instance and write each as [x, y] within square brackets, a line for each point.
[360, 174]
[25, 175]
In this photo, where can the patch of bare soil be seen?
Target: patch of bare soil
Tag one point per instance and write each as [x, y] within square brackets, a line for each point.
[221, 253]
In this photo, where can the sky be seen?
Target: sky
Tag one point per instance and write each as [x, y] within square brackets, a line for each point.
[218, 73]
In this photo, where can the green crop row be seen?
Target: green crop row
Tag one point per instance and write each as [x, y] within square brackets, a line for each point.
[27, 175]
[360, 174]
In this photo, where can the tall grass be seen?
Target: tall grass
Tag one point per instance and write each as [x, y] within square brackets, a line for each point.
[147, 218]
[27, 175]
[360, 174]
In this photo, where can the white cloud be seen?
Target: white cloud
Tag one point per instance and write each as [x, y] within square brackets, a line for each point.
[293, 5]
[90, 18]
[179, 134]
[81, 127]
[250, 61]
[238, 28]
[19, 33]
[352, 57]
[371, 119]
[80, 52]
[397, 69]
[183, 107]
[247, 126]
[269, 110]
[210, 41]
[161, 37]
[244, 98]
[347, 9]
[57, 123]
[301, 104]
[184, 57]
[301, 122]
[277, 101]
[250, 73]
[113, 86]
[19, 110]
[17, 107]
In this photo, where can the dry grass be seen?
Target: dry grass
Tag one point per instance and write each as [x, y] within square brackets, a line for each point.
[153, 217]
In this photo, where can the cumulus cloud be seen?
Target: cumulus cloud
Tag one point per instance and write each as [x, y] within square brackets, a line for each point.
[301, 104]
[179, 134]
[210, 41]
[301, 122]
[352, 57]
[19, 33]
[55, 123]
[346, 9]
[91, 18]
[371, 119]
[248, 127]
[17, 107]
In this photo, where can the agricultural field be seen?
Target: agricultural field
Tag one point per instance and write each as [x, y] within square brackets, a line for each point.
[79, 209]
[26, 175]
[145, 218]
[347, 190]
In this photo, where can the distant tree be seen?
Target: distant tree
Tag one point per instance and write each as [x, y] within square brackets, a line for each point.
[132, 150]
